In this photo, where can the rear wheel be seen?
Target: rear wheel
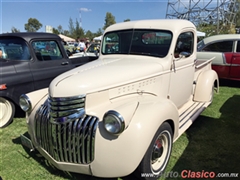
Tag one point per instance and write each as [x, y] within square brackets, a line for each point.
[212, 94]
[157, 156]
[7, 111]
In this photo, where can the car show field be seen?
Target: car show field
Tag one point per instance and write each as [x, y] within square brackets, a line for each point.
[150, 91]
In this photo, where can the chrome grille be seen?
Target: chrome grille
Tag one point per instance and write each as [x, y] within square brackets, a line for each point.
[62, 107]
[71, 141]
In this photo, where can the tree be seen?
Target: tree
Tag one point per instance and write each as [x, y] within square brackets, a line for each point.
[99, 32]
[238, 14]
[33, 25]
[89, 35]
[66, 33]
[79, 32]
[15, 30]
[126, 20]
[55, 31]
[71, 27]
[60, 29]
[109, 20]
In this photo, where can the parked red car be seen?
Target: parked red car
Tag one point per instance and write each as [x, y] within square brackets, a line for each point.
[225, 49]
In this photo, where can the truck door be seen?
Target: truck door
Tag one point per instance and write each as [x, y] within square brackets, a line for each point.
[15, 72]
[182, 73]
[235, 62]
[48, 63]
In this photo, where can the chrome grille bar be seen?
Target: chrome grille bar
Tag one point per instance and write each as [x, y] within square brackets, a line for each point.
[71, 141]
[62, 107]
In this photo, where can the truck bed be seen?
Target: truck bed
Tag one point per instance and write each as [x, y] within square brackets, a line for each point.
[199, 63]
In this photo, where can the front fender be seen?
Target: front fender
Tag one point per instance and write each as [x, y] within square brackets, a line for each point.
[117, 156]
[204, 84]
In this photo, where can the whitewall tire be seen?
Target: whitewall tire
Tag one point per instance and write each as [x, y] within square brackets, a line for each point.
[7, 111]
[158, 154]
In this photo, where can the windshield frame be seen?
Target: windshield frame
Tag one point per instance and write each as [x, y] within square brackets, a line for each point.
[149, 42]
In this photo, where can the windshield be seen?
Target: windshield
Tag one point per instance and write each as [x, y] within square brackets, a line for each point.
[93, 48]
[137, 41]
[14, 49]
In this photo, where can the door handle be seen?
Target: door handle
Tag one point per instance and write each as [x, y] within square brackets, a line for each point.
[65, 63]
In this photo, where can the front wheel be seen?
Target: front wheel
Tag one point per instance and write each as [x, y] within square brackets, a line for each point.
[157, 156]
[7, 111]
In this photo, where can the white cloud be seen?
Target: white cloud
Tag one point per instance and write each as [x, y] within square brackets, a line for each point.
[85, 9]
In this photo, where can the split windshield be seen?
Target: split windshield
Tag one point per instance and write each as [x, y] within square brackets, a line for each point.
[138, 42]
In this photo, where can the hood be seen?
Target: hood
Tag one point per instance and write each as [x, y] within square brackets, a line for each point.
[104, 73]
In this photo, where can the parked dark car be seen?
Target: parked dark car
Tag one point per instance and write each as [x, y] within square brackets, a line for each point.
[30, 61]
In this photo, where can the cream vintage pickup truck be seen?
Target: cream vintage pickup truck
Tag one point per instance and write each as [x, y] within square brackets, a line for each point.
[121, 113]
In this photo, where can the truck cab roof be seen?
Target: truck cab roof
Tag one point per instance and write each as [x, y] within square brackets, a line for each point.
[31, 35]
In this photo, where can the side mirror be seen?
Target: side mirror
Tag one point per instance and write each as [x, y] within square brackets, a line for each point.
[184, 54]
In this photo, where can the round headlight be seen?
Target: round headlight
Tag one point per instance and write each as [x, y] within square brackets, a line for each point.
[25, 103]
[113, 122]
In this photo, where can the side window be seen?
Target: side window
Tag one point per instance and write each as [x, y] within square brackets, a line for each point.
[238, 46]
[185, 43]
[110, 43]
[14, 49]
[223, 46]
[47, 50]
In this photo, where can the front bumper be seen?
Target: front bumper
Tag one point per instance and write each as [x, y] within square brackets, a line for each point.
[78, 168]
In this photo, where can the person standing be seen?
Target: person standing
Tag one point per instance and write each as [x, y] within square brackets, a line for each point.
[82, 45]
[1, 53]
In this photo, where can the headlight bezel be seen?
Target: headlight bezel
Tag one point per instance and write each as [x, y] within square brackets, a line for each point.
[111, 127]
[25, 103]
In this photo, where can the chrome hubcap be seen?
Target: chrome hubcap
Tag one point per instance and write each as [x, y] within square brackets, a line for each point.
[157, 150]
[160, 151]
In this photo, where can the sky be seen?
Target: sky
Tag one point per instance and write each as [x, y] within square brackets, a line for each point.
[15, 13]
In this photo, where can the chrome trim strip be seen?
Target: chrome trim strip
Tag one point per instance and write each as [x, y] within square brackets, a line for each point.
[66, 98]
[65, 142]
[84, 139]
[93, 138]
[79, 142]
[74, 134]
[60, 146]
[70, 141]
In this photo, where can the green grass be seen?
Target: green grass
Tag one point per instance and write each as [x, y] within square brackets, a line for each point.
[210, 144]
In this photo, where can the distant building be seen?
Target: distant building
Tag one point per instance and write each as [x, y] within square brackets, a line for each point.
[49, 29]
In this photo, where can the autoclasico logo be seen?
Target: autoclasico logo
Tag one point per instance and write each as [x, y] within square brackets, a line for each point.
[197, 174]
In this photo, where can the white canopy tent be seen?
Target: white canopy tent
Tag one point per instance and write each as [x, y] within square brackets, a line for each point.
[66, 38]
[199, 33]
[99, 38]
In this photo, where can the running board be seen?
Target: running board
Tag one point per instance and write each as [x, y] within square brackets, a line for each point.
[188, 114]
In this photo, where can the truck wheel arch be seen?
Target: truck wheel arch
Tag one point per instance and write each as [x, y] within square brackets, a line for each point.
[167, 114]
[158, 112]
[206, 81]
